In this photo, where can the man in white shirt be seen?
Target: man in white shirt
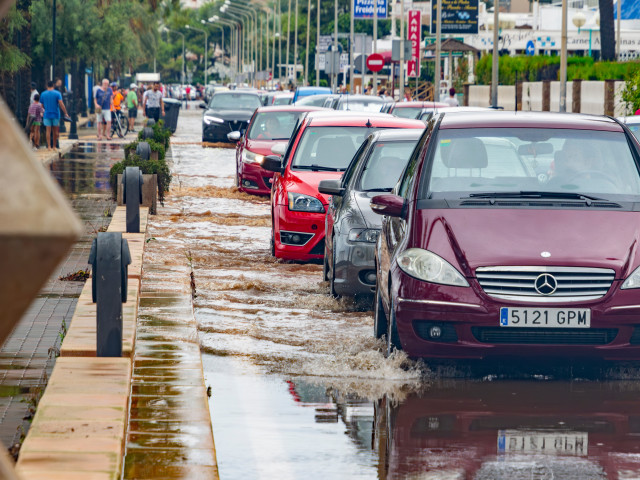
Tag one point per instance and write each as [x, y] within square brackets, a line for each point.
[34, 92]
[452, 101]
[152, 104]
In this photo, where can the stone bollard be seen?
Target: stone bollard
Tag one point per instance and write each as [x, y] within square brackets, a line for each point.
[109, 259]
[132, 197]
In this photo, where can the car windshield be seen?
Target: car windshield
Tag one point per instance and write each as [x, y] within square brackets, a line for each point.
[407, 112]
[328, 148]
[374, 104]
[273, 125]
[562, 161]
[235, 101]
[312, 100]
[385, 164]
[282, 100]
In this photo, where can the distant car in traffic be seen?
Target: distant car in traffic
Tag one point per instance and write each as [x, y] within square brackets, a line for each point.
[413, 109]
[479, 256]
[321, 147]
[278, 98]
[314, 100]
[227, 112]
[351, 226]
[632, 123]
[269, 126]
[356, 103]
[304, 92]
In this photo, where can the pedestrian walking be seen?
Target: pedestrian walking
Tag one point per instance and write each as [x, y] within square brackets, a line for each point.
[53, 105]
[116, 104]
[132, 106]
[35, 115]
[103, 101]
[34, 92]
[152, 104]
[452, 101]
[407, 95]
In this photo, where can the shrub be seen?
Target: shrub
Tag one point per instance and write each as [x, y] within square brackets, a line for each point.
[149, 167]
[160, 134]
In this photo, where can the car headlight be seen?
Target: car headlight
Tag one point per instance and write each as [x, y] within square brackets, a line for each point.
[304, 203]
[250, 157]
[209, 119]
[633, 280]
[367, 235]
[427, 266]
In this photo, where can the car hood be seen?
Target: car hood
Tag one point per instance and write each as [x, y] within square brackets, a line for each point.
[306, 182]
[363, 201]
[243, 115]
[263, 147]
[469, 238]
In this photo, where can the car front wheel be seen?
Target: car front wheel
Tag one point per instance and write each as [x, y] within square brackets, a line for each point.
[379, 317]
[393, 340]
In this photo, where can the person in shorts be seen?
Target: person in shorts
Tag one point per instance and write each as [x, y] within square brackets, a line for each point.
[35, 116]
[132, 105]
[103, 101]
[152, 103]
[53, 105]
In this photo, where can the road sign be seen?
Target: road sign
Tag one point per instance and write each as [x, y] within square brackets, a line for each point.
[458, 17]
[321, 61]
[414, 30]
[364, 8]
[344, 60]
[375, 62]
[531, 48]
[412, 69]
[324, 43]
[395, 50]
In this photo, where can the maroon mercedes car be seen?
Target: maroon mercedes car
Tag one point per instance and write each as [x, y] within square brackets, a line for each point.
[513, 234]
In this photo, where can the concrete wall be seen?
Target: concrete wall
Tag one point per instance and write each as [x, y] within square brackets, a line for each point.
[592, 99]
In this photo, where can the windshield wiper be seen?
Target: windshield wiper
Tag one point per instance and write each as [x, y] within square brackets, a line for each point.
[378, 190]
[318, 168]
[538, 194]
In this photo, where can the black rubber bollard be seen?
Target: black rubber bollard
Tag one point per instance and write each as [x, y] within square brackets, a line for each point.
[143, 150]
[147, 132]
[151, 122]
[109, 258]
[132, 197]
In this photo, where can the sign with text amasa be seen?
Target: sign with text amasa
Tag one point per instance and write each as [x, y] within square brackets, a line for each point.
[414, 31]
[458, 16]
[364, 8]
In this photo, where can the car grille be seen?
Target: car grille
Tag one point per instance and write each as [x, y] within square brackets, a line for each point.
[237, 125]
[545, 336]
[520, 283]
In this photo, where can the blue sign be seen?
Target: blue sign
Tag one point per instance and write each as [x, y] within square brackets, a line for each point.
[530, 48]
[364, 8]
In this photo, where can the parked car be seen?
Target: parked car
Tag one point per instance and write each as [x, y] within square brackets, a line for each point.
[480, 257]
[351, 226]
[413, 109]
[209, 90]
[358, 103]
[268, 126]
[321, 147]
[278, 98]
[426, 113]
[227, 112]
[303, 92]
[314, 100]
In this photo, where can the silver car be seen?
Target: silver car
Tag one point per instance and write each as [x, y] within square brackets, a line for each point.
[351, 226]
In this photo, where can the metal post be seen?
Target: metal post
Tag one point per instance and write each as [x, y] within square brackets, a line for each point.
[495, 59]
[563, 60]
[436, 79]
[280, 43]
[402, 59]
[334, 75]
[295, 49]
[375, 42]
[53, 41]
[288, 35]
[109, 257]
[273, 50]
[73, 130]
[306, 58]
[317, 39]
[351, 49]
[619, 4]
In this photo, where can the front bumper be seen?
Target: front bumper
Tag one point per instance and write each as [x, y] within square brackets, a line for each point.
[470, 328]
[354, 262]
[254, 179]
[305, 223]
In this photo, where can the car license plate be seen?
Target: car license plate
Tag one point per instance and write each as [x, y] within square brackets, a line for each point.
[545, 317]
[554, 443]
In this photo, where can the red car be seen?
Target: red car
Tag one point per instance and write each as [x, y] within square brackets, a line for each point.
[268, 127]
[481, 255]
[321, 148]
[414, 109]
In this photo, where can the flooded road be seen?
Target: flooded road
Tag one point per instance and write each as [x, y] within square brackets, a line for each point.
[300, 388]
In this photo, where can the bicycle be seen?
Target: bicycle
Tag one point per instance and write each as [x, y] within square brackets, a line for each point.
[119, 124]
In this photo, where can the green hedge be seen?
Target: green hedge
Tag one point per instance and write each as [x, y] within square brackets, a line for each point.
[540, 67]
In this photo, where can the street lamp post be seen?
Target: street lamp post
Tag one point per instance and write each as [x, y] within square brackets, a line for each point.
[206, 50]
[495, 59]
[233, 32]
[563, 59]
[204, 22]
[288, 36]
[251, 39]
[246, 25]
[179, 33]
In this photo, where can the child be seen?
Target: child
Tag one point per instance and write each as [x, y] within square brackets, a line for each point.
[35, 114]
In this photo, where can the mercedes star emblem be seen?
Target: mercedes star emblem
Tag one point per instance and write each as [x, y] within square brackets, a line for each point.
[545, 254]
[546, 284]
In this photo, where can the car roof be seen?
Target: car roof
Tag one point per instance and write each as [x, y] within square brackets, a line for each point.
[502, 119]
[290, 108]
[329, 118]
[419, 105]
[237, 92]
[631, 120]
[348, 97]
[317, 89]
[282, 94]
[397, 134]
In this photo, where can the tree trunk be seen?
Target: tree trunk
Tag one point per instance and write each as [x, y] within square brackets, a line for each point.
[607, 32]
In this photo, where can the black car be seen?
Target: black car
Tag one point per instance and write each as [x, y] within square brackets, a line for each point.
[227, 112]
[351, 226]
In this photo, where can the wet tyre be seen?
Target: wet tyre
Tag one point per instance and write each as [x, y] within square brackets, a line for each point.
[272, 244]
[143, 150]
[331, 262]
[393, 340]
[379, 317]
[325, 266]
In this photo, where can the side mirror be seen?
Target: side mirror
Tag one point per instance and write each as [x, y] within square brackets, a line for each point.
[272, 163]
[203, 105]
[234, 136]
[279, 149]
[331, 187]
[390, 205]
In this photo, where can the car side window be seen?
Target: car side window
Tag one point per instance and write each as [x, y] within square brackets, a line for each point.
[410, 170]
[353, 166]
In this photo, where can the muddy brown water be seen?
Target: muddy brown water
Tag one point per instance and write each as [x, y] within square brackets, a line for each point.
[300, 389]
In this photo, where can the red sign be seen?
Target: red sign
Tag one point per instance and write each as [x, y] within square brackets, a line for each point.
[375, 62]
[414, 34]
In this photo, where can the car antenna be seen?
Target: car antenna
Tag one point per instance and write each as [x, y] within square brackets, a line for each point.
[368, 124]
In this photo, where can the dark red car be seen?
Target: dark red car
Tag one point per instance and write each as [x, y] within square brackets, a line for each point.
[268, 127]
[321, 147]
[482, 255]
